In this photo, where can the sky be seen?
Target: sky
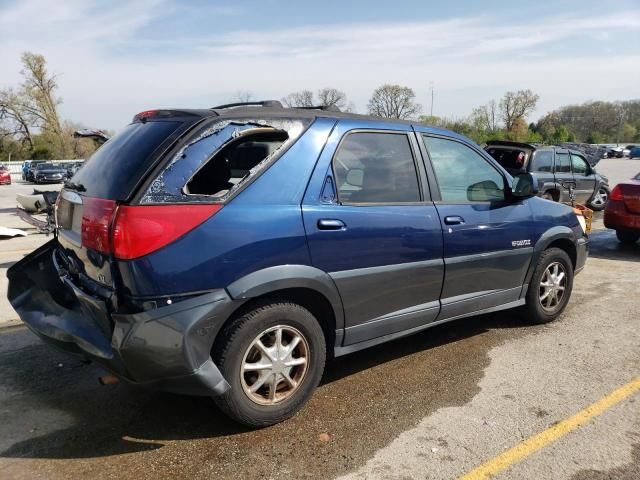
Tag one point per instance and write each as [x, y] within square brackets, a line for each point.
[116, 58]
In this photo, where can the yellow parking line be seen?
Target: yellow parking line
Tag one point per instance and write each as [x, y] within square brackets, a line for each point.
[559, 430]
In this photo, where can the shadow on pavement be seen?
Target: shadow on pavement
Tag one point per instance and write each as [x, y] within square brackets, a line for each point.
[604, 244]
[106, 421]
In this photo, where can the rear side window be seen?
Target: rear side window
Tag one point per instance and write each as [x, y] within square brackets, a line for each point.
[542, 161]
[376, 168]
[563, 164]
[462, 174]
[234, 163]
[116, 167]
[220, 158]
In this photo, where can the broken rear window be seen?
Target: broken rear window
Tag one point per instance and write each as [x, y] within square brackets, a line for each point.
[221, 159]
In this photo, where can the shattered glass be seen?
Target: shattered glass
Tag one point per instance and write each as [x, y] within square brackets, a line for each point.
[169, 187]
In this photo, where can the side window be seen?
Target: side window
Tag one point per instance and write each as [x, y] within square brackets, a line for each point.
[234, 163]
[542, 161]
[580, 166]
[376, 168]
[462, 174]
[563, 165]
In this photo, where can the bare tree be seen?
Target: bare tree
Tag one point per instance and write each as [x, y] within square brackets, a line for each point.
[332, 97]
[303, 98]
[516, 106]
[243, 96]
[394, 101]
[486, 117]
[14, 119]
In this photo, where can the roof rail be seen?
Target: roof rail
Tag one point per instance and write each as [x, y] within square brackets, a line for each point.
[327, 108]
[261, 103]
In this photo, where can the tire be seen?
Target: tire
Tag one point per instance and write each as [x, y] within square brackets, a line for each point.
[600, 199]
[628, 238]
[236, 346]
[534, 310]
[548, 196]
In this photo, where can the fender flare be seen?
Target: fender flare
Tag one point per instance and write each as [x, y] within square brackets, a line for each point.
[559, 232]
[281, 277]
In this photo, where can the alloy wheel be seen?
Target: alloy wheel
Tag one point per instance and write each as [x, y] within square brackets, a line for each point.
[274, 365]
[552, 286]
[601, 197]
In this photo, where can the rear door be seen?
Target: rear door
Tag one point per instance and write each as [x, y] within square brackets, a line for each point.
[371, 225]
[584, 177]
[488, 239]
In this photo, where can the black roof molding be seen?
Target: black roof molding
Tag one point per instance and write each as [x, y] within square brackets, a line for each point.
[260, 103]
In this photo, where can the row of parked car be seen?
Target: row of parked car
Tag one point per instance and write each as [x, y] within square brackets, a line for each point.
[631, 151]
[42, 171]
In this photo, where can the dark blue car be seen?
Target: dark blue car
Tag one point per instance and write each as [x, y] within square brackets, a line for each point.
[230, 251]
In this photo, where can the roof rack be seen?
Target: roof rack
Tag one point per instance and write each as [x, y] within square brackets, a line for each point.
[261, 103]
[327, 108]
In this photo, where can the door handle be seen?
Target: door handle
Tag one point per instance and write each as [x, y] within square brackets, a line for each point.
[331, 224]
[453, 220]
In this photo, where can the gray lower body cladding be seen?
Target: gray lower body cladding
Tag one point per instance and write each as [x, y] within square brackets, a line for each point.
[166, 348]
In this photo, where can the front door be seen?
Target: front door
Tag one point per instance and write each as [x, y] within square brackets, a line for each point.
[584, 178]
[371, 225]
[487, 237]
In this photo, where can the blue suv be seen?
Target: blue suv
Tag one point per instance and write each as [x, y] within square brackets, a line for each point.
[229, 252]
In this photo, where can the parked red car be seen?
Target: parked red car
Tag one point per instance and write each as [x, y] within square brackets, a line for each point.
[5, 176]
[622, 213]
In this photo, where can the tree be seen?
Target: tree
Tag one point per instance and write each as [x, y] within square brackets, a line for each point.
[39, 100]
[242, 96]
[561, 134]
[515, 106]
[485, 118]
[394, 101]
[15, 120]
[303, 98]
[332, 97]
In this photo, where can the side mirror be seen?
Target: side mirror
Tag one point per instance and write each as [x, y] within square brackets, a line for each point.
[523, 186]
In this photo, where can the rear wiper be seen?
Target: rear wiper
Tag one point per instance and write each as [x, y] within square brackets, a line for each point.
[78, 187]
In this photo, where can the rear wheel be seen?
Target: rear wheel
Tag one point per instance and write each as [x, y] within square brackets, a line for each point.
[550, 286]
[273, 357]
[599, 200]
[628, 238]
[549, 196]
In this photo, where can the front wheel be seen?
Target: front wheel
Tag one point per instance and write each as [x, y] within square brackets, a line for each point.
[550, 286]
[628, 238]
[599, 200]
[273, 358]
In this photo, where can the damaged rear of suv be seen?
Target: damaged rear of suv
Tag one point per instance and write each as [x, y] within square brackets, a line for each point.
[136, 277]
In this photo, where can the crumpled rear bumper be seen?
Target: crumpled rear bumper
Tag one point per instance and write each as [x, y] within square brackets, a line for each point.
[167, 348]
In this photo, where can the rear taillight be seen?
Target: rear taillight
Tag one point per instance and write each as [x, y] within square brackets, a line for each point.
[97, 214]
[130, 232]
[616, 193]
[140, 230]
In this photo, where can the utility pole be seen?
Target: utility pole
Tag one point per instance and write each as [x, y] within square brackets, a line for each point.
[431, 85]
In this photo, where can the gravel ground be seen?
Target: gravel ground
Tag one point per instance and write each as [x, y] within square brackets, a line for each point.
[434, 405]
